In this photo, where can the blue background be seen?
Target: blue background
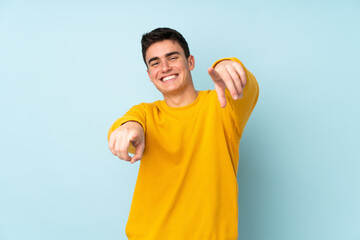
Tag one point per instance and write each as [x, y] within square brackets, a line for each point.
[69, 69]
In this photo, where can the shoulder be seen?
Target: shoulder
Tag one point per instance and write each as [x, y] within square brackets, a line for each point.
[145, 106]
[149, 108]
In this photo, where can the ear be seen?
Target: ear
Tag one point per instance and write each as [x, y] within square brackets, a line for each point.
[191, 62]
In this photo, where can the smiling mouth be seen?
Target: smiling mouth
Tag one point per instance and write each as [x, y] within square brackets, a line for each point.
[167, 78]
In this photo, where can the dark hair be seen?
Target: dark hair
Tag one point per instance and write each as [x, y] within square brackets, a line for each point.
[161, 34]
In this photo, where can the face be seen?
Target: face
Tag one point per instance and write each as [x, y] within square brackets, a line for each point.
[168, 68]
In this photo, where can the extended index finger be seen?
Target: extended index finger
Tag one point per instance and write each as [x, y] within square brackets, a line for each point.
[215, 76]
[219, 86]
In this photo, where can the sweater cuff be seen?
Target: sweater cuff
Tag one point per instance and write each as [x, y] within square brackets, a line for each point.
[231, 59]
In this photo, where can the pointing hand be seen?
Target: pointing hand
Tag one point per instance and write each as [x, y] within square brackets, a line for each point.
[231, 75]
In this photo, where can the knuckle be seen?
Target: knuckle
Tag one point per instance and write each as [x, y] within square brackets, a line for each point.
[112, 151]
[118, 150]
[229, 67]
[236, 79]
[123, 149]
[121, 156]
[118, 154]
[238, 84]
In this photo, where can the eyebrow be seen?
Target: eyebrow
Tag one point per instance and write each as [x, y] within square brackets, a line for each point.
[166, 55]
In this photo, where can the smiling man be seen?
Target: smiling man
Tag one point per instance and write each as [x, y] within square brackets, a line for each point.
[169, 70]
[188, 144]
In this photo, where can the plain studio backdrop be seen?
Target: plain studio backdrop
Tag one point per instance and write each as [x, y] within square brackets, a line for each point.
[69, 69]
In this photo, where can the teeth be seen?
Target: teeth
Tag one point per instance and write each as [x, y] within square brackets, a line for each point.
[168, 78]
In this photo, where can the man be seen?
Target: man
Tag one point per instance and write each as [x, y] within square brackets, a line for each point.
[188, 145]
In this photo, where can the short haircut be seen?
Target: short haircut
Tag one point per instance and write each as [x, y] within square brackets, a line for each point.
[161, 34]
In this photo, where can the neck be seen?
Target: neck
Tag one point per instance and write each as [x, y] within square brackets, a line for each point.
[181, 99]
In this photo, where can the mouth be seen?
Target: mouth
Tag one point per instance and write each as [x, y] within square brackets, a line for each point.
[167, 78]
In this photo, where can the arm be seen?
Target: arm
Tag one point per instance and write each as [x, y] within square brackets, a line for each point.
[237, 91]
[127, 134]
[120, 139]
[228, 73]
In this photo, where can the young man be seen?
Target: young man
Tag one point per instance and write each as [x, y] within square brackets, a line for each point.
[188, 145]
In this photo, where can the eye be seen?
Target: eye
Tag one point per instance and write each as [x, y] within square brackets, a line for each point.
[173, 58]
[154, 64]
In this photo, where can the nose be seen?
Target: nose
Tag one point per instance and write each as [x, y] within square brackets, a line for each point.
[166, 66]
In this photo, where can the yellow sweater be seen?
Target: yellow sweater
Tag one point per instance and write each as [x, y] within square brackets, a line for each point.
[186, 187]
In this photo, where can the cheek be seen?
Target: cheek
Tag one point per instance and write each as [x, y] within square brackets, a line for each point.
[184, 66]
[152, 75]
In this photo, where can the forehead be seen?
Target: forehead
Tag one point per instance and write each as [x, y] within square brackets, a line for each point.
[160, 49]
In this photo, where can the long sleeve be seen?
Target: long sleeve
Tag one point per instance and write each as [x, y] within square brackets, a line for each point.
[241, 109]
[138, 114]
